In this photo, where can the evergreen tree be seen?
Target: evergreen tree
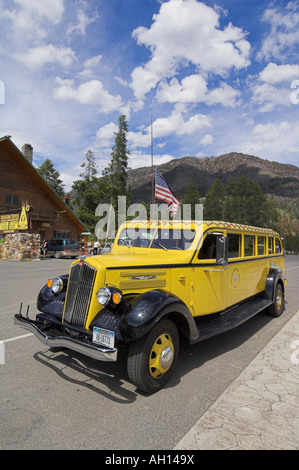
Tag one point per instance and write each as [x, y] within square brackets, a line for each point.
[191, 197]
[214, 202]
[89, 166]
[230, 208]
[116, 173]
[51, 176]
[89, 192]
[241, 201]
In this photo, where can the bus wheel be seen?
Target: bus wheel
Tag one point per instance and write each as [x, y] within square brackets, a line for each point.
[276, 309]
[152, 360]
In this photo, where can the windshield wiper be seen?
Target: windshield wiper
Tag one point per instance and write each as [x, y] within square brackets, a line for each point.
[159, 244]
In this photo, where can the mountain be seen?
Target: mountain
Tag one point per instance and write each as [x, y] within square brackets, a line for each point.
[275, 178]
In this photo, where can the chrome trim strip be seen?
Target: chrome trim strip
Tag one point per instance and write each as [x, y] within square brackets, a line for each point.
[101, 354]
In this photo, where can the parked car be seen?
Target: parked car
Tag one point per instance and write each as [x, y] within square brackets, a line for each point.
[161, 283]
[63, 248]
[104, 249]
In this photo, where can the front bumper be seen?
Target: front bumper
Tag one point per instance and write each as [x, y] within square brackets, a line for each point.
[101, 354]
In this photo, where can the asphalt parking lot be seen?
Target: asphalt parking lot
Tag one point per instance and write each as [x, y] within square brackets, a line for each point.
[56, 400]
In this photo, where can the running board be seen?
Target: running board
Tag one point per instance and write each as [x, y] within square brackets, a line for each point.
[229, 319]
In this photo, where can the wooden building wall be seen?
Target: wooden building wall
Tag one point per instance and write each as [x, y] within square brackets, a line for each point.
[19, 179]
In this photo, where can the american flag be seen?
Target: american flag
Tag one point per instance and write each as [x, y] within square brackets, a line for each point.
[162, 191]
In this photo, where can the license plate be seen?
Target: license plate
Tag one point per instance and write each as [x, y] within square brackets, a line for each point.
[103, 337]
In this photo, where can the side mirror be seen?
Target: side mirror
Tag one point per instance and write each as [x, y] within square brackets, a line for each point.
[221, 250]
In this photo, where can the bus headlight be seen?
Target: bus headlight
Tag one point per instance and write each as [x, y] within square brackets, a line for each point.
[106, 295]
[56, 285]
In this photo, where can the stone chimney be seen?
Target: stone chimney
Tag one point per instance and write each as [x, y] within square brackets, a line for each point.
[28, 152]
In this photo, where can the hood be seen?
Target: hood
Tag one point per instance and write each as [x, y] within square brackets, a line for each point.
[134, 258]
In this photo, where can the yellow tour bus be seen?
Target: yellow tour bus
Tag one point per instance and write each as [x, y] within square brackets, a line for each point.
[161, 283]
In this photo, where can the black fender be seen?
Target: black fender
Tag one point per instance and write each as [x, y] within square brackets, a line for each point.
[141, 314]
[274, 277]
[48, 302]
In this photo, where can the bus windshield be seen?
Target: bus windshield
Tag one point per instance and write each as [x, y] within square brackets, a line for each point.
[163, 238]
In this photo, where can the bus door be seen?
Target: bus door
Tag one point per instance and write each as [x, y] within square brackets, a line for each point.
[208, 278]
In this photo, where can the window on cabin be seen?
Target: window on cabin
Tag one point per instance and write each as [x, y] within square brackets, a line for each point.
[11, 200]
[208, 249]
[278, 248]
[249, 245]
[261, 245]
[270, 246]
[234, 245]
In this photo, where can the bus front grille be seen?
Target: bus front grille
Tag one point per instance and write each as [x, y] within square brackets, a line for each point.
[80, 287]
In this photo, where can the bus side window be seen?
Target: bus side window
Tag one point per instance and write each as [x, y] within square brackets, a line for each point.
[270, 246]
[208, 249]
[277, 245]
[234, 245]
[249, 245]
[261, 245]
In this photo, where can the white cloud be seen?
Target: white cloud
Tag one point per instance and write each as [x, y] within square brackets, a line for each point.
[284, 31]
[139, 159]
[175, 123]
[270, 131]
[90, 66]
[274, 73]
[37, 57]
[193, 89]
[31, 17]
[268, 97]
[273, 140]
[82, 22]
[52, 10]
[206, 140]
[105, 134]
[93, 61]
[224, 95]
[162, 127]
[274, 92]
[90, 93]
[187, 31]
[139, 139]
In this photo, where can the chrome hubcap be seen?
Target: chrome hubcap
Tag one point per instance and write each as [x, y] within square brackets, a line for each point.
[166, 357]
[161, 355]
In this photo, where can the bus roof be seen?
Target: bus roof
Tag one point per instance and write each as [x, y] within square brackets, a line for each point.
[203, 224]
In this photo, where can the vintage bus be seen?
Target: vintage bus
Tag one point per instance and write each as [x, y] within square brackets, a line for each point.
[162, 281]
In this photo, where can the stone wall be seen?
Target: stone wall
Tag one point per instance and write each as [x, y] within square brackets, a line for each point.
[21, 246]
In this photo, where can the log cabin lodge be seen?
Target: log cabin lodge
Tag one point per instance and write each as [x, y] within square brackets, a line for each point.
[21, 184]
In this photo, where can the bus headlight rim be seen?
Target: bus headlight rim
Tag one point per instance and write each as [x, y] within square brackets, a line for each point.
[57, 285]
[106, 295]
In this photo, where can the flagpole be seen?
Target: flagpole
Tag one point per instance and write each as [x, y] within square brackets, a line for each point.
[152, 156]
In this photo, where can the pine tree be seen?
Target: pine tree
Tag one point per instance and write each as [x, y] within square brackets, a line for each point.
[48, 172]
[214, 202]
[89, 192]
[191, 197]
[241, 201]
[116, 173]
[89, 166]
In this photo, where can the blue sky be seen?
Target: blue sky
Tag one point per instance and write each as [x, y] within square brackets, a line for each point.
[215, 76]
